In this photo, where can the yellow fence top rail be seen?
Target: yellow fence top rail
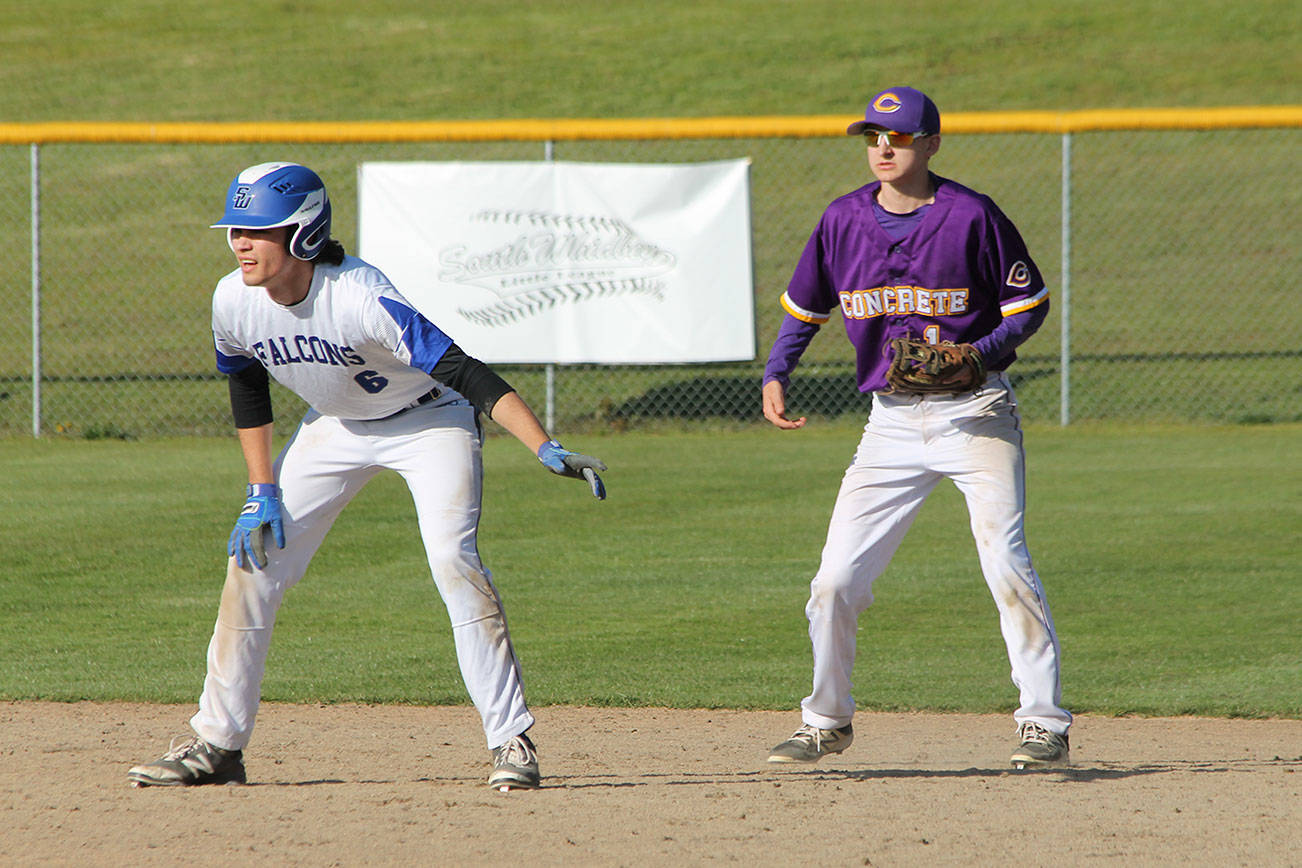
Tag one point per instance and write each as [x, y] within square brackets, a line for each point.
[541, 129]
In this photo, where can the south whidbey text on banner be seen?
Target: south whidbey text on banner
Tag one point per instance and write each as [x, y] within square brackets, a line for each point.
[558, 262]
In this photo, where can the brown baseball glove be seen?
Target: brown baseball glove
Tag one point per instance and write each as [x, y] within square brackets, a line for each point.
[930, 369]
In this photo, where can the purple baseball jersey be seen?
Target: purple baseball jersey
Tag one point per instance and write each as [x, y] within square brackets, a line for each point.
[954, 278]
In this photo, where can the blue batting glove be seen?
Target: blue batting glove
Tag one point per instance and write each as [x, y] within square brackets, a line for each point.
[562, 462]
[262, 509]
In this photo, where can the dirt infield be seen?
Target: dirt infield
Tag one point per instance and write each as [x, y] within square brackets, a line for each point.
[351, 785]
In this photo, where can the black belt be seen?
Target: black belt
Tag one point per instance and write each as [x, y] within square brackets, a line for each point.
[423, 399]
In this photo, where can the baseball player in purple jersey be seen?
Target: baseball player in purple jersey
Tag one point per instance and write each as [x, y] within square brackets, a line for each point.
[387, 389]
[920, 256]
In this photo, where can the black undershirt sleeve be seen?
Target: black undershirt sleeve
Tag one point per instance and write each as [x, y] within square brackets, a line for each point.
[250, 396]
[472, 378]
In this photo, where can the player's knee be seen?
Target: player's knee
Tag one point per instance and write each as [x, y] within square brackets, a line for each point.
[448, 553]
[839, 588]
[462, 579]
[470, 598]
[249, 599]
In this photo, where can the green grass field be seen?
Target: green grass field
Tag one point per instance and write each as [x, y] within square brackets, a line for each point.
[1169, 554]
[128, 262]
[388, 59]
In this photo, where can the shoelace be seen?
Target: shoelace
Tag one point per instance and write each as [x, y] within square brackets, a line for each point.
[1036, 733]
[516, 752]
[188, 744]
[810, 734]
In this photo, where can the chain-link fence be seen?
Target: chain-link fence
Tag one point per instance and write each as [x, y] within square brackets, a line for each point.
[1184, 251]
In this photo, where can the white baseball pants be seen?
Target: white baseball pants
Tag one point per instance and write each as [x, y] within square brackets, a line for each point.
[910, 443]
[436, 449]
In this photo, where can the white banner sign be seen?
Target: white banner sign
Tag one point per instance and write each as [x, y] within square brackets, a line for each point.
[569, 262]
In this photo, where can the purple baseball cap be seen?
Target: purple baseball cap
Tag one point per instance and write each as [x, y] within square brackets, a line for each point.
[901, 109]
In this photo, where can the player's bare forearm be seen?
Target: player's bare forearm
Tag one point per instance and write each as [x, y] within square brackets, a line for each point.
[255, 443]
[513, 414]
[775, 406]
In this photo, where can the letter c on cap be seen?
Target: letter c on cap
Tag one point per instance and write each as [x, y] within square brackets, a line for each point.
[887, 103]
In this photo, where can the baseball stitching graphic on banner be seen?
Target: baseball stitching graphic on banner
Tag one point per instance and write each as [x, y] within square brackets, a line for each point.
[553, 259]
[570, 262]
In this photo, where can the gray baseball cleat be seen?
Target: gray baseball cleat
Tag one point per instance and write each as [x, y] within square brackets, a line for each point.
[515, 765]
[193, 761]
[1040, 748]
[809, 744]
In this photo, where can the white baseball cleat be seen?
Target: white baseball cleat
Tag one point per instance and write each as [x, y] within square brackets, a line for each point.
[1040, 748]
[189, 763]
[809, 744]
[515, 766]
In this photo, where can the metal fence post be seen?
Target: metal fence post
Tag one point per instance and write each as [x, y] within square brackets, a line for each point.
[549, 409]
[36, 288]
[1065, 386]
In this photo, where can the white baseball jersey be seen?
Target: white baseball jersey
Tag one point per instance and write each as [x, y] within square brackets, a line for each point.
[353, 348]
[356, 351]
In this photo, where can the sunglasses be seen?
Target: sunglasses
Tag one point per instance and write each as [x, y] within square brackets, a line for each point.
[898, 140]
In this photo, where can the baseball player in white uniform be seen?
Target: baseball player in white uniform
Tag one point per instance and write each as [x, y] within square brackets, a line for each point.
[915, 255]
[387, 390]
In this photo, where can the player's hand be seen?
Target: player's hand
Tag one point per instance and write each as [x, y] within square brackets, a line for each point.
[560, 460]
[775, 406]
[261, 510]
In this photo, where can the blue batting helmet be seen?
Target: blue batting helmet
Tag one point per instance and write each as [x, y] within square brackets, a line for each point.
[280, 194]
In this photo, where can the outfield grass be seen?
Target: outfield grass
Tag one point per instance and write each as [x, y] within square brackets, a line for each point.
[1169, 554]
[128, 262]
[388, 59]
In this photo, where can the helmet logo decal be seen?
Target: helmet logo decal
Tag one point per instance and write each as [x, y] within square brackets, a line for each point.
[887, 103]
[272, 195]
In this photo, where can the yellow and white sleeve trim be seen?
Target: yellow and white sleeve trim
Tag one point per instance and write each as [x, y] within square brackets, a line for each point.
[801, 314]
[1024, 304]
